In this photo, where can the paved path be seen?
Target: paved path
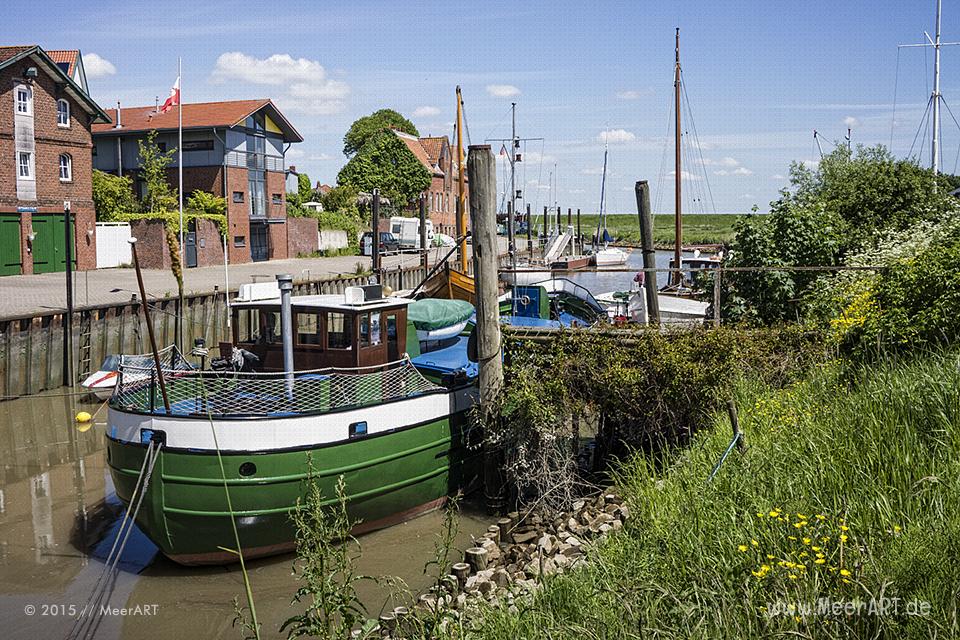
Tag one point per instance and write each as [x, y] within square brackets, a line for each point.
[22, 296]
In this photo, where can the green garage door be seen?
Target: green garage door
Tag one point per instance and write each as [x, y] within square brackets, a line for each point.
[9, 244]
[49, 253]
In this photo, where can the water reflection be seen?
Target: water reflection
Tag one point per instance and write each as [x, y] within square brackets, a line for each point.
[59, 517]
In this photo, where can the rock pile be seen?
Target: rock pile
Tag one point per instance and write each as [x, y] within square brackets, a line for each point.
[508, 562]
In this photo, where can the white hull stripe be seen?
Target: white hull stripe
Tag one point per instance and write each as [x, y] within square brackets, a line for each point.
[287, 432]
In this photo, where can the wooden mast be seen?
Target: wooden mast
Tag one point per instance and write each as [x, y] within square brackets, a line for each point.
[461, 186]
[678, 209]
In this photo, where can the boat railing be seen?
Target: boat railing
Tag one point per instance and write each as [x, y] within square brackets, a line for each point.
[240, 394]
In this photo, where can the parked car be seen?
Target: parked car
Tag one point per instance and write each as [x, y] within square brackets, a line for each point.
[388, 242]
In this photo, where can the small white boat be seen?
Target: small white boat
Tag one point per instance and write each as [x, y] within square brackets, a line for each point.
[101, 383]
[610, 256]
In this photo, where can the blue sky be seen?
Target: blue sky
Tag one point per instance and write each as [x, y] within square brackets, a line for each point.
[760, 77]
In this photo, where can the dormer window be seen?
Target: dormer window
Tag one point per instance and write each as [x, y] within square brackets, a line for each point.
[63, 113]
[24, 100]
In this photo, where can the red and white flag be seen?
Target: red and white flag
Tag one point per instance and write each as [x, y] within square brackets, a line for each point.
[174, 98]
[503, 150]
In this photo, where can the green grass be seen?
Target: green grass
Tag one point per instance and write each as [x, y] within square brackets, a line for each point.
[874, 450]
[705, 228]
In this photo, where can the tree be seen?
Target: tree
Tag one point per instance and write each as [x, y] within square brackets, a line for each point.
[153, 166]
[304, 188]
[385, 163]
[367, 127]
[203, 202]
[342, 198]
[113, 196]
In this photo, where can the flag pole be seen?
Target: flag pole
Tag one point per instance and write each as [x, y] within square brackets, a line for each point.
[180, 188]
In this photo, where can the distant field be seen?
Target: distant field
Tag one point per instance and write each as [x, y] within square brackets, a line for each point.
[698, 228]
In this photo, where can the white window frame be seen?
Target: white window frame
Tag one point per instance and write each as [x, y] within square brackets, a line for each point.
[68, 166]
[27, 104]
[66, 112]
[20, 165]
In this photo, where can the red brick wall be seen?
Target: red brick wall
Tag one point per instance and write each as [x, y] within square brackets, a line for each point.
[301, 236]
[238, 216]
[209, 244]
[152, 249]
[278, 232]
[50, 141]
[208, 179]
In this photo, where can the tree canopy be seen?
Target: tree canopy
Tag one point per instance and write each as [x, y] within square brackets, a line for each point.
[385, 163]
[367, 127]
[113, 196]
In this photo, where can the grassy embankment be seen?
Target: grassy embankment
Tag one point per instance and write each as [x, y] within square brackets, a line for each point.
[849, 490]
[706, 228]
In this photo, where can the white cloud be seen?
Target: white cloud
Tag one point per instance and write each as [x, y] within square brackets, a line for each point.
[536, 156]
[577, 191]
[722, 162]
[96, 66]
[424, 112]
[686, 175]
[306, 87]
[747, 196]
[739, 171]
[294, 153]
[616, 136]
[320, 157]
[592, 171]
[850, 121]
[502, 90]
[778, 176]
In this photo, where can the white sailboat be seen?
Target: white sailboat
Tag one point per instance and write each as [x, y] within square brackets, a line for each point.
[608, 256]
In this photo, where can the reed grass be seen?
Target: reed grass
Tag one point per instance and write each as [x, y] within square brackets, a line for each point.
[861, 463]
[698, 228]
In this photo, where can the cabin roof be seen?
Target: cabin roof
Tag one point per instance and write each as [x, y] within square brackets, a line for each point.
[333, 302]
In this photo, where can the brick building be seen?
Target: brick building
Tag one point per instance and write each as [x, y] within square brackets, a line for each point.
[45, 142]
[233, 149]
[436, 155]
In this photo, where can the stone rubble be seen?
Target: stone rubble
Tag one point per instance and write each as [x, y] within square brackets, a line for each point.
[515, 554]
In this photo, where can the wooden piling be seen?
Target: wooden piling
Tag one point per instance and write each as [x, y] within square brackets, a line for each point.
[642, 189]
[424, 250]
[481, 167]
[529, 234]
[579, 235]
[375, 240]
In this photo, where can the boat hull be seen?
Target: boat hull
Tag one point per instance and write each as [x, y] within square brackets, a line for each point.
[389, 476]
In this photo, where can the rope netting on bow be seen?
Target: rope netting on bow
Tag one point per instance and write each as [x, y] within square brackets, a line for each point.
[217, 393]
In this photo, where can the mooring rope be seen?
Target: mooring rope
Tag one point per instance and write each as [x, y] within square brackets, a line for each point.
[107, 576]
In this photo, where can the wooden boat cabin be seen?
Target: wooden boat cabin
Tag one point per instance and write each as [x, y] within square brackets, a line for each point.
[359, 328]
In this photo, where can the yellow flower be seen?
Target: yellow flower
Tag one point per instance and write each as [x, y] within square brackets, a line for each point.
[755, 543]
[801, 516]
[825, 539]
[793, 576]
[806, 541]
[791, 538]
[774, 513]
[896, 528]
[844, 572]
[843, 538]
[759, 515]
[819, 561]
[742, 548]
[844, 527]
[769, 557]
[797, 618]
[821, 518]
[820, 555]
[815, 549]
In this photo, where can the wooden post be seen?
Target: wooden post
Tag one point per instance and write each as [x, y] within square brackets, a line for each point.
[559, 220]
[569, 217]
[68, 380]
[462, 571]
[735, 425]
[642, 189]
[424, 258]
[511, 245]
[476, 557]
[146, 317]
[481, 167]
[375, 241]
[546, 228]
[529, 235]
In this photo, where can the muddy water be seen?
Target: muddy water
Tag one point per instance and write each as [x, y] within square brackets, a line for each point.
[59, 517]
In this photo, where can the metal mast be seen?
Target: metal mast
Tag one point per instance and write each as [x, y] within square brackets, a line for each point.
[678, 207]
[935, 143]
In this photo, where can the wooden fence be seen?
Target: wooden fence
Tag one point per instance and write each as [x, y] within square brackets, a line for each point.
[31, 348]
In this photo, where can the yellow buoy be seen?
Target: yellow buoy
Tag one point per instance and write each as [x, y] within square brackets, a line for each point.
[83, 427]
[83, 416]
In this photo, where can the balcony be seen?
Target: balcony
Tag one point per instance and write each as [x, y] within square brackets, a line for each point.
[254, 161]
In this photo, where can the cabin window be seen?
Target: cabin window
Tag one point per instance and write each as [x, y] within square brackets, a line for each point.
[248, 323]
[308, 329]
[271, 328]
[370, 329]
[339, 331]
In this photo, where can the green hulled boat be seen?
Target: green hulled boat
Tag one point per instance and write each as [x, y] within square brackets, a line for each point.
[359, 403]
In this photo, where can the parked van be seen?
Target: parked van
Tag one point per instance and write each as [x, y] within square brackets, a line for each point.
[407, 231]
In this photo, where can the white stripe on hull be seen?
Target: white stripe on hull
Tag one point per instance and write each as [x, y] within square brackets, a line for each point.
[264, 434]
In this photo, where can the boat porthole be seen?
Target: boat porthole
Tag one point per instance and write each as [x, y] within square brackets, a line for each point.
[248, 469]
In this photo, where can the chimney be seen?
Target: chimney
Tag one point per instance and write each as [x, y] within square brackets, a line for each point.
[118, 124]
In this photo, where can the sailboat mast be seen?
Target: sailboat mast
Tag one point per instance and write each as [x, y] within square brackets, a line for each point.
[601, 219]
[461, 186]
[512, 210]
[678, 209]
[935, 143]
